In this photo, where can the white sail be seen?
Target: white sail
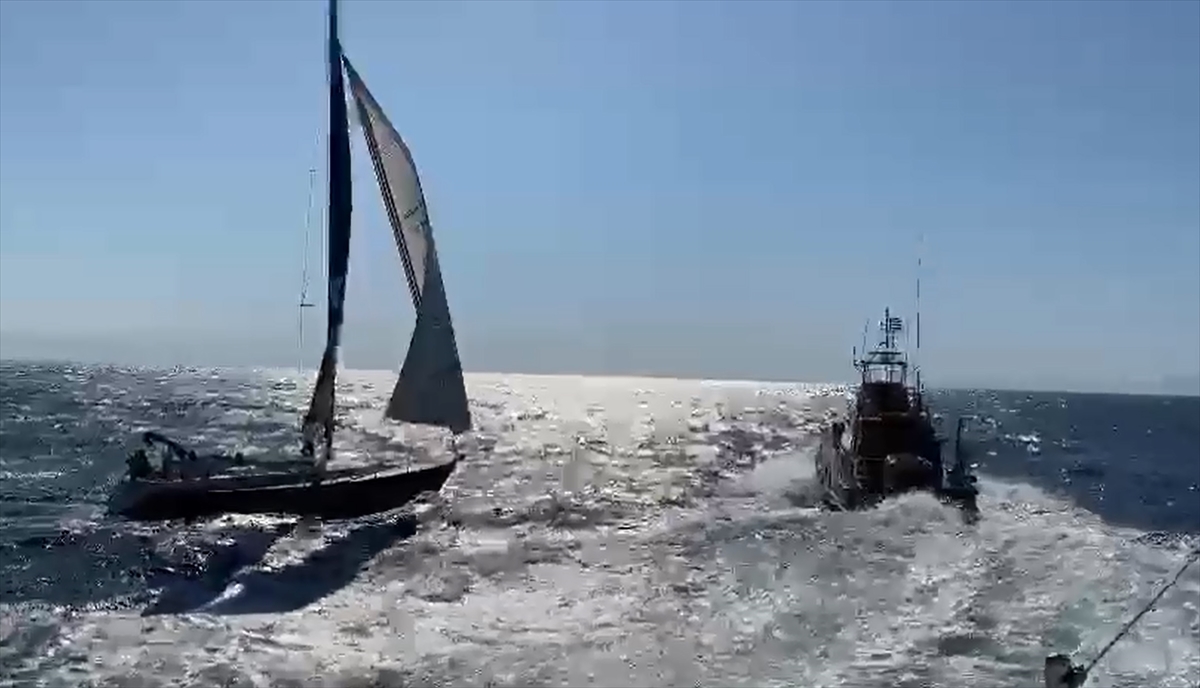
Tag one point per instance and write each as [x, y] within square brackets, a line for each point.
[398, 183]
[430, 390]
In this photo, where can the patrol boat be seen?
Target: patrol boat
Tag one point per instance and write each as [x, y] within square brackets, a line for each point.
[892, 446]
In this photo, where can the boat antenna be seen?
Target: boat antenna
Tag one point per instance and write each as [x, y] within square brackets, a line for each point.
[304, 302]
[860, 353]
[917, 328]
[920, 251]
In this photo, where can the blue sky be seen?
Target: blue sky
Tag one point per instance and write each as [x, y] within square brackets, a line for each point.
[695, 188]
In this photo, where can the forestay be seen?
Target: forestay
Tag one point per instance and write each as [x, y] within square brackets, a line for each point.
[430, 390]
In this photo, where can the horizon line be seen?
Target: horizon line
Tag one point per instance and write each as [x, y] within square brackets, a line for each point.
[639, 376]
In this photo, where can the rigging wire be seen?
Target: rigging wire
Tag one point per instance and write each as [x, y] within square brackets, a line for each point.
[312, 179]
[1195, 554]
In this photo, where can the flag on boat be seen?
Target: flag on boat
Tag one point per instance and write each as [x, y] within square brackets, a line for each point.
[893, 324]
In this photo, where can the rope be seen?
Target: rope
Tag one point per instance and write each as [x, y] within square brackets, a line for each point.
[1150, 605]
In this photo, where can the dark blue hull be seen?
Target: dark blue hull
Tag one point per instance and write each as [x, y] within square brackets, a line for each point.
[843, 490]
[345, 493]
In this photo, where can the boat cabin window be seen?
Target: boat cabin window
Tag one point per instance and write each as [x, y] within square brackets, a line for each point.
[876, 398]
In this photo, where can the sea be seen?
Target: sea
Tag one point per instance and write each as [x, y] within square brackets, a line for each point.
[602, 532]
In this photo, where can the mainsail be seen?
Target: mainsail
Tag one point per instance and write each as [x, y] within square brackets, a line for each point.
[430, 390]
[320, 416]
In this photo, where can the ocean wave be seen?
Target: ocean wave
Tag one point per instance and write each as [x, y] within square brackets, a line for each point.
[629, 532]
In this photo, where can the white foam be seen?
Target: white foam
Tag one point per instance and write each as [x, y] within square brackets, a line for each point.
[740, 588]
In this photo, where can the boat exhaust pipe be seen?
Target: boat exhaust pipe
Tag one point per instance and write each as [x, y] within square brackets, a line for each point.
[1060, 673]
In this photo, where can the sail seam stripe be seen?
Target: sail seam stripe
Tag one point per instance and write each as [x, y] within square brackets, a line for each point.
[389, 202]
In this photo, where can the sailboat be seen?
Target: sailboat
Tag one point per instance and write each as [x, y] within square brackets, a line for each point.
[430, 389]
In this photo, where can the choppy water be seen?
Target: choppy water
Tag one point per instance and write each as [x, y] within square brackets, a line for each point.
[631, 532]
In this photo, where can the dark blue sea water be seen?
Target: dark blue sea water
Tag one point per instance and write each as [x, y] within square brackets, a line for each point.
[607, 531]
[1133, 460]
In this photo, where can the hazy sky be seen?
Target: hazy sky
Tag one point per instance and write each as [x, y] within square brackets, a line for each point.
[695, 188]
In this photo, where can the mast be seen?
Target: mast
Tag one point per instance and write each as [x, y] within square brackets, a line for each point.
[321, 411]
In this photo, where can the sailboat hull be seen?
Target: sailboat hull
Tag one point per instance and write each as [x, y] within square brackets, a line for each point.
[347, 493]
